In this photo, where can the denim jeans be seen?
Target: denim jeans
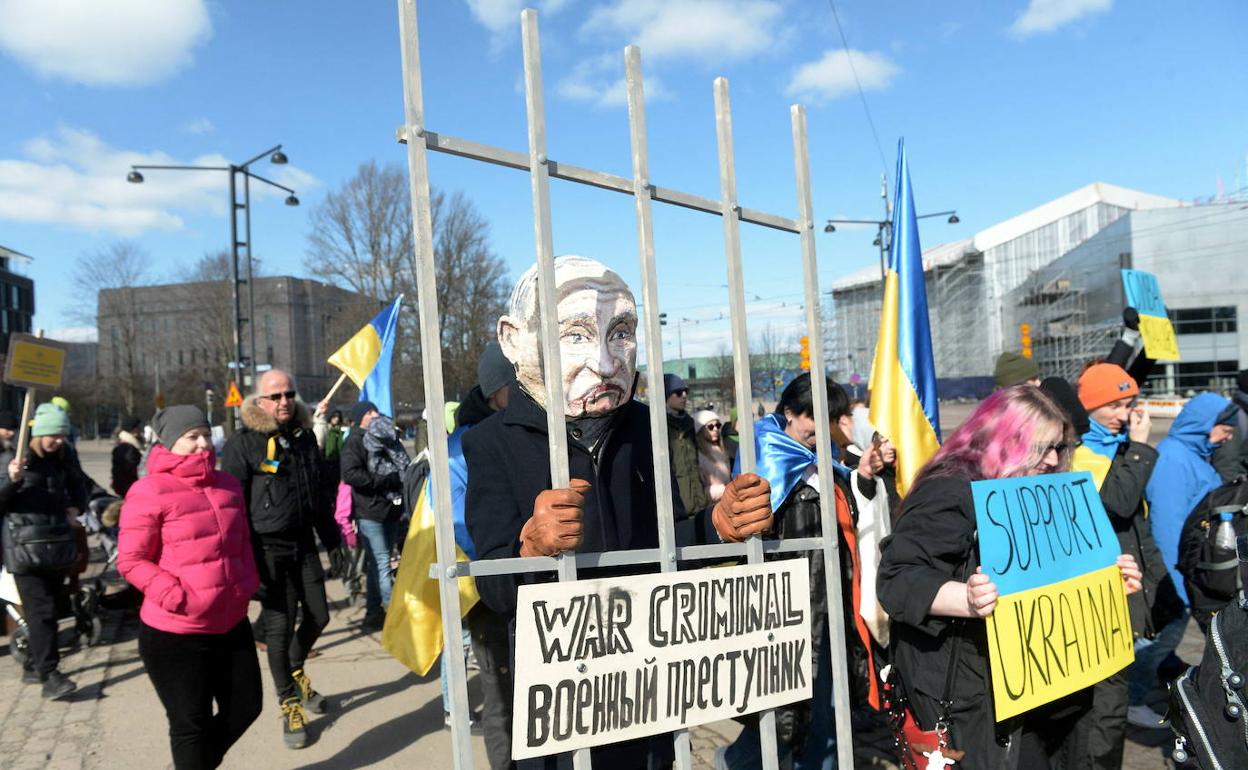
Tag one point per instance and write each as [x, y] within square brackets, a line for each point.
[378, 537]
[1149, 653]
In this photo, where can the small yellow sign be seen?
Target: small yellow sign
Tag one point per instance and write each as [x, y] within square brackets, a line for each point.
[232, 396]
[1160, 343]
[34, 362]
[1050, 641]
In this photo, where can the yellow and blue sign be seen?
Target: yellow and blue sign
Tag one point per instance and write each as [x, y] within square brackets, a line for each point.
[904, 406]
[1061, 622]
[366, 357]
[1144, 294]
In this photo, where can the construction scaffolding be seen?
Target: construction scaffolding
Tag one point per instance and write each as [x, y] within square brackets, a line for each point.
[1063, 336]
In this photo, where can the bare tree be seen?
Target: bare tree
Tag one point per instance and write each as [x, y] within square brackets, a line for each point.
[362, 239]
[767, 365]
[109, 275]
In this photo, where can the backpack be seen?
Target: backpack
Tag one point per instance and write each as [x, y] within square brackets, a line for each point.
[1208, 706]
[1210, 571]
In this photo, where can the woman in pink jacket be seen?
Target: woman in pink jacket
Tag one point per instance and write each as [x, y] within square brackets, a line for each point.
[185, 543]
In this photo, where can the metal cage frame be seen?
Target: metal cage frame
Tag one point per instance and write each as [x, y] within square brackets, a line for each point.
[541, 169]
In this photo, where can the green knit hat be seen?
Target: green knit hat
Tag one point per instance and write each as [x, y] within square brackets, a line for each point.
[50, 420]
[1014, 369]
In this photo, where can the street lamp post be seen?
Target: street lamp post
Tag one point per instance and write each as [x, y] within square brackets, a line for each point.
[884, 227]
[277, 157]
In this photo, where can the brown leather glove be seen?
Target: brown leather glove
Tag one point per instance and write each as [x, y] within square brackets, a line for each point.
[556, 523]
[745, 508]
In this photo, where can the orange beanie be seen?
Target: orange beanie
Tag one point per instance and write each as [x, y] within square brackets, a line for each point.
[1104, 383]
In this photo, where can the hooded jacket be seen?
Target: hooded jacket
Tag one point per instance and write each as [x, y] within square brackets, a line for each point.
[184, 542]
[683, 446]
[371, 494]
[285, 499]
[1183, 476]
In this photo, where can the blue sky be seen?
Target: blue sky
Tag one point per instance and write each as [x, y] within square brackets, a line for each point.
[1004, 105]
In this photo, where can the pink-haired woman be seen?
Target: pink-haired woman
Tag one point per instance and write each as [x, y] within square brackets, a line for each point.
[929, 575]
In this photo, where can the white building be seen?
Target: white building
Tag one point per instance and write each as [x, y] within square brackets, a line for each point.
[969, 282]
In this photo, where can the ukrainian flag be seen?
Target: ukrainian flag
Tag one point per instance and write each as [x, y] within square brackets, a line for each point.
[366, 357]
[903, 375]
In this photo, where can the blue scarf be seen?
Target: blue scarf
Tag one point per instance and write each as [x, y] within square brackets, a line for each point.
[1100, 440]
[781, 459]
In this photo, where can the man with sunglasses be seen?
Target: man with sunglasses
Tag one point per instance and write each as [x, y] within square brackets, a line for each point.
[276, 459]
[682, 442]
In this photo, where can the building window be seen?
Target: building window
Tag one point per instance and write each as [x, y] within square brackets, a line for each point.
[179, 358]
[1204, 320]
[268, 338]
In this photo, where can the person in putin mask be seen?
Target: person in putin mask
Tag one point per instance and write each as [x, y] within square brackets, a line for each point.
[185, 544]
[610, 503]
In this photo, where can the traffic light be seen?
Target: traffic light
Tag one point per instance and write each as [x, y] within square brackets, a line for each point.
[805, 354]
[1024, 333]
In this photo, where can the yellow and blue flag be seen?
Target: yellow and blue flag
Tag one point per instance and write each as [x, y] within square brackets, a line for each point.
[365, 358]
[903, 376]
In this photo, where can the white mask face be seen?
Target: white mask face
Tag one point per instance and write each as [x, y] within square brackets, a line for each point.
[597, 340]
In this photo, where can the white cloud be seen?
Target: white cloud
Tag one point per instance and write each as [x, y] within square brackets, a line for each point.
[831, 75]
[1048, 15]
[200, 126]
[724, 29]
[600, 81]
[73, 178]
[503, 16]
[116, 43]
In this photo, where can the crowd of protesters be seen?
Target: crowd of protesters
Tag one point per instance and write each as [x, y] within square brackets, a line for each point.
[201, 536]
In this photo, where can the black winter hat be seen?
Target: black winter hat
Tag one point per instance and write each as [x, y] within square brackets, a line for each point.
[1067, 398]
[8, 420]
[494, 371]
[129, 423]
[173, 422]
[360, 409]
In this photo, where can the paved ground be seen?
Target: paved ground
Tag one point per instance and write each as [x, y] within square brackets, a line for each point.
[383, 715]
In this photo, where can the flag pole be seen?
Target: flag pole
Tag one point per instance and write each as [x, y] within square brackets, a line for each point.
[334, 389]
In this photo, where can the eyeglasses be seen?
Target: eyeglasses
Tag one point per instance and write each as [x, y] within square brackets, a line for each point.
[713, 426]
[289, 395]
[1060, 447]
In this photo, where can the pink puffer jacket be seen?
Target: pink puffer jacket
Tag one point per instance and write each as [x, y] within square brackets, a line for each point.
[185, 543]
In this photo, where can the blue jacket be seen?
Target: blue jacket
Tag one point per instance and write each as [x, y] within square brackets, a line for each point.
[1183, 476]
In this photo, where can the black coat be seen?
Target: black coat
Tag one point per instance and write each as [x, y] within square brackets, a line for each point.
[125, 467]
[1122, 494]
[49, 486]
[509, 464]
[292, 503]
[370, 493]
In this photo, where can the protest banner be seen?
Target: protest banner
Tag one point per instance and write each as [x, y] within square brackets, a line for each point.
[1061, 621]
[1144, 294]
[601, 661]
[32, 363]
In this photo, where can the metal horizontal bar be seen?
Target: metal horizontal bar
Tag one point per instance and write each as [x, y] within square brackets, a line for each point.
[184, 168]
[465, 148]
[525, 565]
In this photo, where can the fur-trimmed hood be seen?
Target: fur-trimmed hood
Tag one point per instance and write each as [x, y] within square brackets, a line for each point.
[255, 418]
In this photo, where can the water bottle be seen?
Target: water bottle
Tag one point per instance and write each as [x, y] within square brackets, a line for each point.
[1224, 537]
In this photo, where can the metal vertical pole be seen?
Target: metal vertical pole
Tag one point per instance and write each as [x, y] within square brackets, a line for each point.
[251, 286]
[547, 296]
[654, 341]
[435, 396]
[829, 528]
[238, 311]
[731, 211]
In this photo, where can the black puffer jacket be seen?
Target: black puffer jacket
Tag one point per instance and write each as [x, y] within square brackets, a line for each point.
[50, 485]
[291, 503]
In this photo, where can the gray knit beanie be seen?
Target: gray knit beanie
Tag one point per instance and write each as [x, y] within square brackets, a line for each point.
[494, 371]
[173, 422]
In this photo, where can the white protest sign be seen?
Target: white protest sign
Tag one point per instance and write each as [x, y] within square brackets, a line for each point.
[601, 661]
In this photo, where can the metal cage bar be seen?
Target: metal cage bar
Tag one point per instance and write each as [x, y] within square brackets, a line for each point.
[740, 348]
[828, 525]
[541, 169]
[431, 360]
[654, 340]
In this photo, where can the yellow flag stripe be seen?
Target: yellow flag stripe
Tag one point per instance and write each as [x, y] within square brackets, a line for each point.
[359, 355]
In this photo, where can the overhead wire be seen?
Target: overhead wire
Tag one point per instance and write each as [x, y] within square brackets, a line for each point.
[849, 57]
